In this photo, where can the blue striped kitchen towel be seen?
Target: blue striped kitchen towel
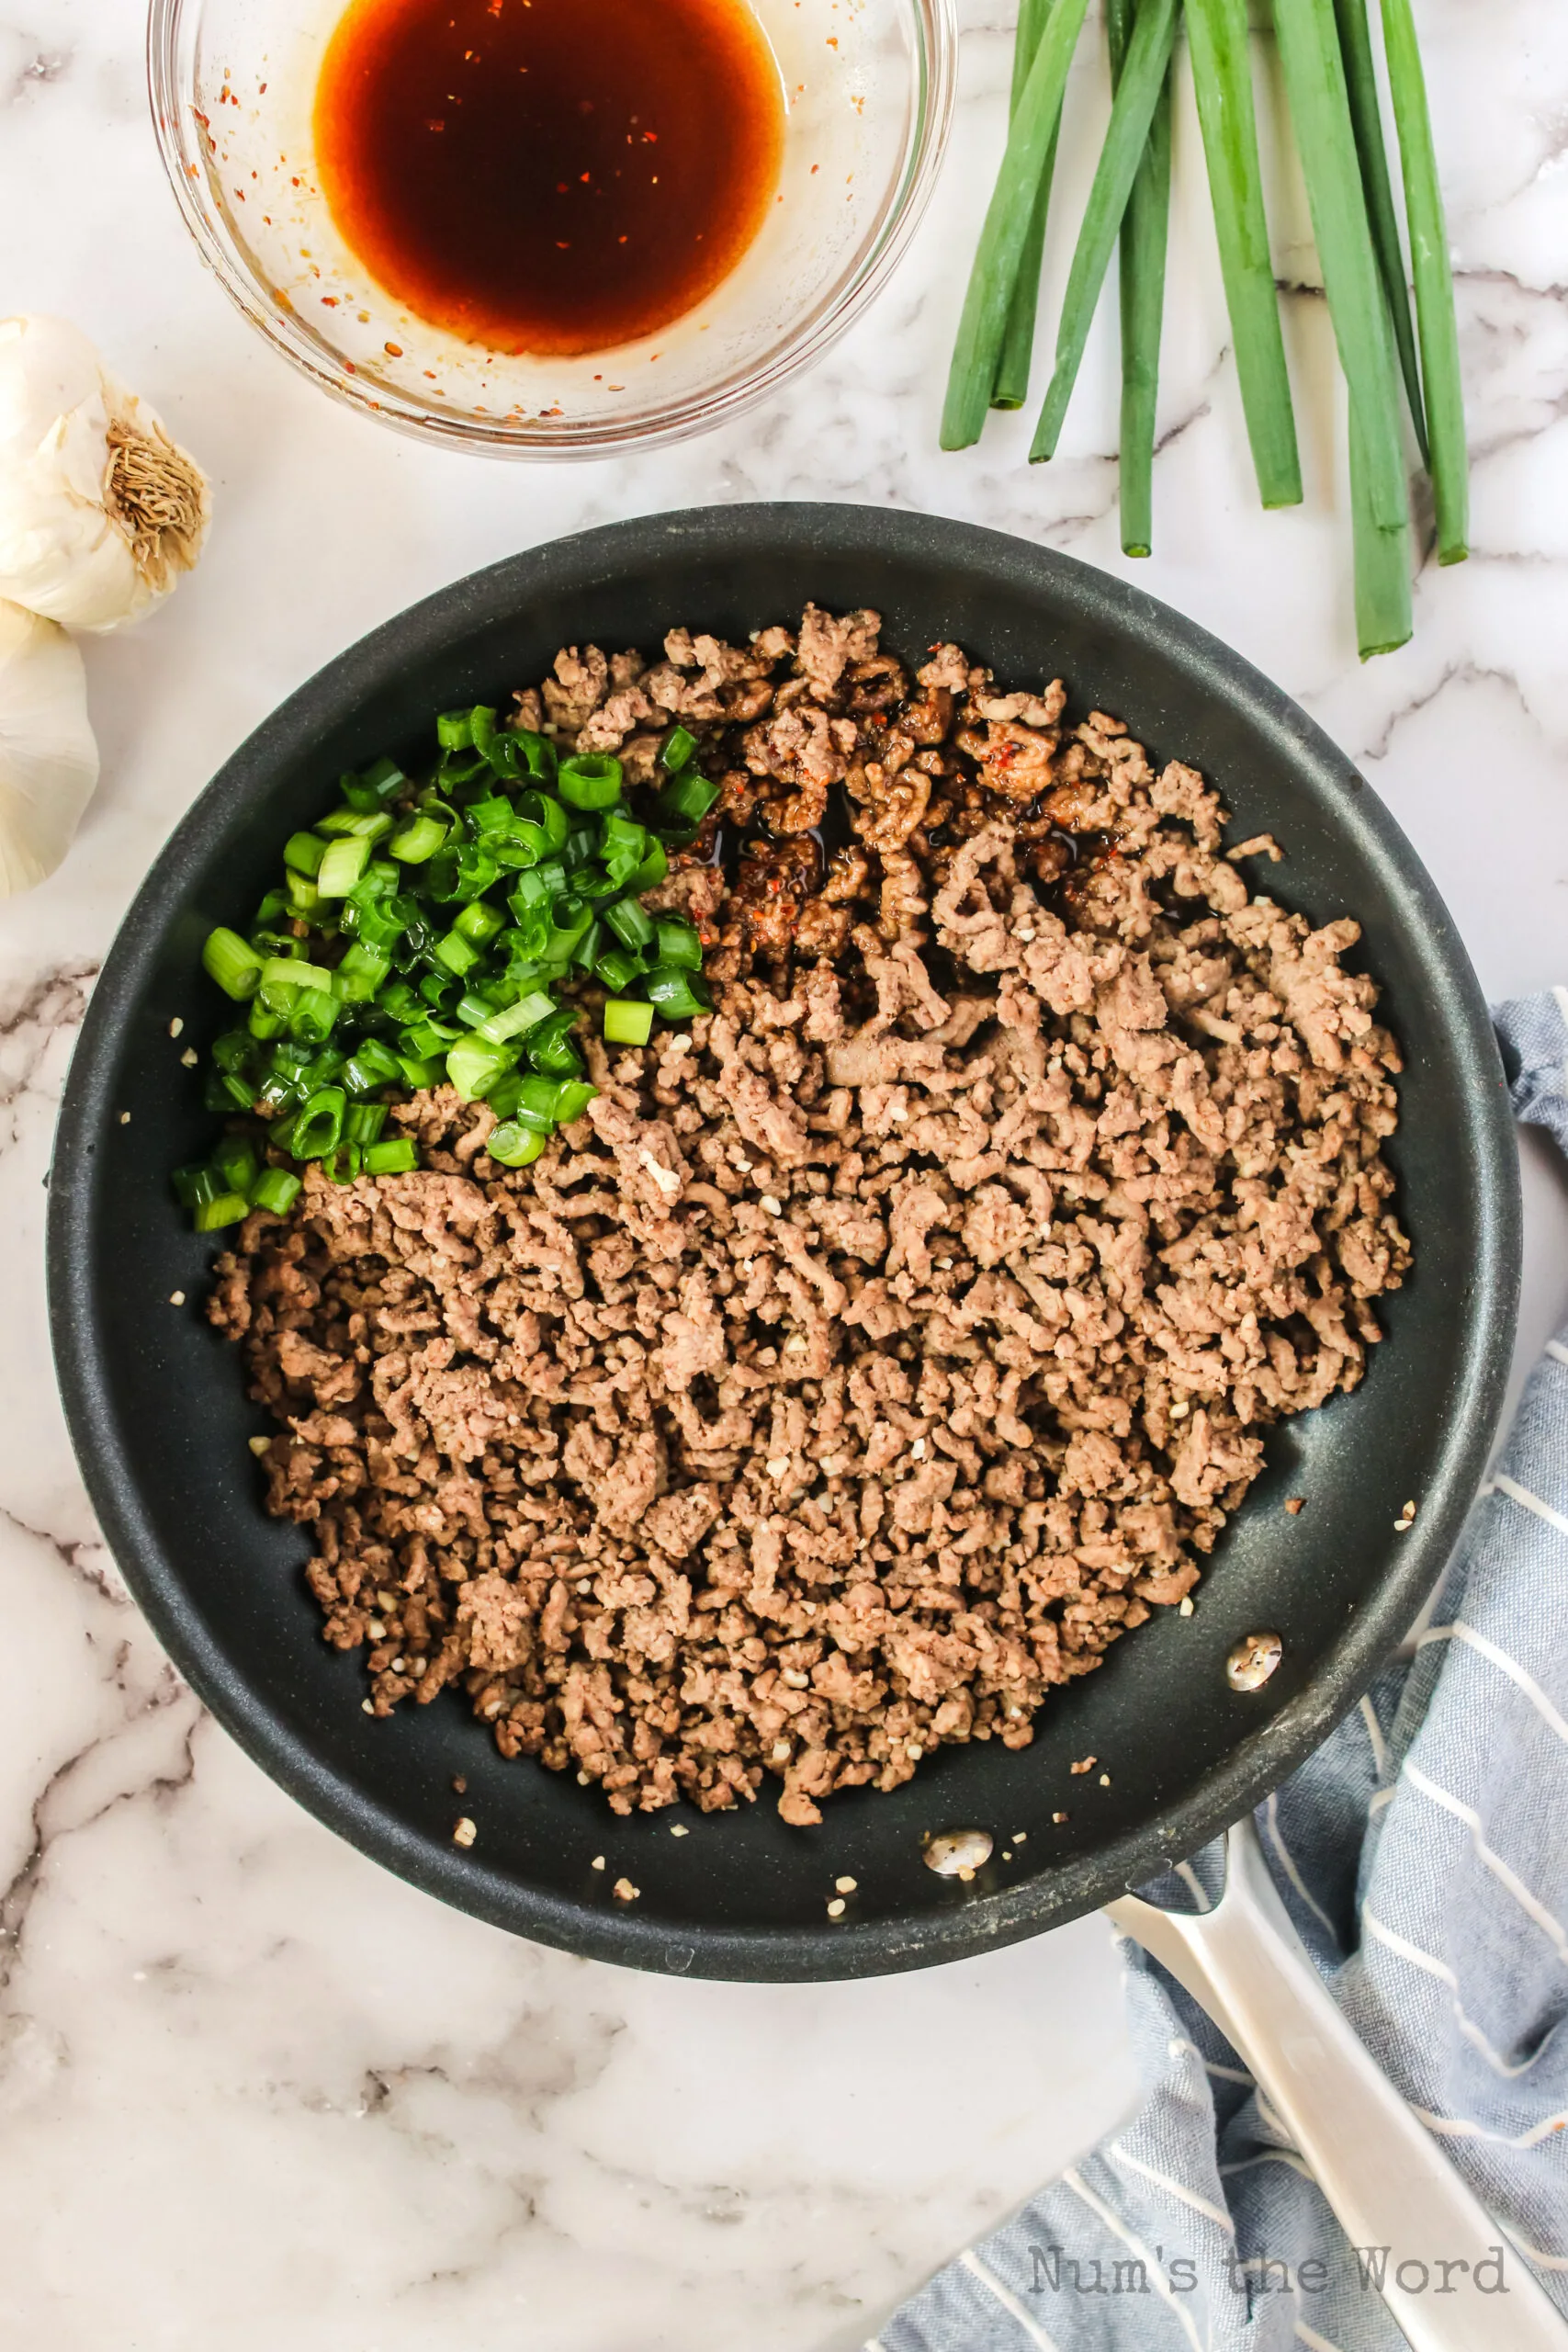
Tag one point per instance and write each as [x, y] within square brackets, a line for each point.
[1423, 1855]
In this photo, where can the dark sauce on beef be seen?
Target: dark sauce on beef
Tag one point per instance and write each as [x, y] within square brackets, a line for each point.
[550, 175]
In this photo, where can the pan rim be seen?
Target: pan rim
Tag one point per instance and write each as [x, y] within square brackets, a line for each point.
[1256, 1765]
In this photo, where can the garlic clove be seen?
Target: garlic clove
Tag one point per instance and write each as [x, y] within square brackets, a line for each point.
[48, 760]
[100, 512]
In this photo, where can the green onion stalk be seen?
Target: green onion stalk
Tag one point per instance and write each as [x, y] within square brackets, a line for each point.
[1145, 227]
[1138, 88]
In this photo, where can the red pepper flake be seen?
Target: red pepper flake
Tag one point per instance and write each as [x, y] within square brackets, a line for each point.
[393, 350]
[349, 365]
[330, 301]
[261, 89]
[430, 373]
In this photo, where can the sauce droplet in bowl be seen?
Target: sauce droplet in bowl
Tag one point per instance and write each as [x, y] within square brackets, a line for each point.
[552, 176]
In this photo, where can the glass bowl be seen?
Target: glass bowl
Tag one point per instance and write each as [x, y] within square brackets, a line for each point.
[869, 88]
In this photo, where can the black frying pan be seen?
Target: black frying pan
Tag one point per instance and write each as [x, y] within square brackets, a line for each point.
[160, 1420]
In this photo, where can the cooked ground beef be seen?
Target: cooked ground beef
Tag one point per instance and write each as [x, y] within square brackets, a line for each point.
[865, 1360]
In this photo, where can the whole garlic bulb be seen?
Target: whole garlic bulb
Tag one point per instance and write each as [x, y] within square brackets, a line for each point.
[49, 761]
[99, 512]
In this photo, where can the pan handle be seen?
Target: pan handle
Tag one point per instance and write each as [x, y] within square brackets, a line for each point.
[1380, 2168]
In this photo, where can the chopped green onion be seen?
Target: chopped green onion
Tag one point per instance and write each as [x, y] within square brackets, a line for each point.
[227, 1208]
[1434, 283]
[542, 808]
[426, 1039]
[233, 963]
[317, 1127]
[455, 730]
[688, 798]
[356, 824]
[294, 972]
[562, 1099]
[589, 947]
[680, 995]
[652, 870]
[420, 1070]
[1132, 114]
[312, 1015]
[399, 1156]
[361, 973]
[303, 853]
[679, 943]
[618, 969]
[343, 1163]
[549, 1046]
[628, 1022]
[381, 781]
[480, 923]
[1222, 80]
[677, 749]
[458, 955]
[418, 840]
[342, 866]
[304, 898]
[491, 815]
[277, 1189]
[539, 1094]
[236, 1161]
[473, 1064]
[267, 1020]
[513, 1146]
[363, 1122]
[196, 1184]
[630, 924]
[590, 780]
[538, 752]
[526, 1013]
[371, 1064]
[572, 1099]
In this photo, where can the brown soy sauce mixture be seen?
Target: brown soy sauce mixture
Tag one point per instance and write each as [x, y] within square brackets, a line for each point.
[554, 177]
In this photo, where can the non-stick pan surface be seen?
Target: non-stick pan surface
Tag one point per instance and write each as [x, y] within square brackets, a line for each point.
[160, 1420]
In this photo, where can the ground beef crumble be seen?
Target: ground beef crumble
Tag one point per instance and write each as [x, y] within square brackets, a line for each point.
[865, 1360]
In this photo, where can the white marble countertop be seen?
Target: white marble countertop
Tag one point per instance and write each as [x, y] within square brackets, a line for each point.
[254, 2090]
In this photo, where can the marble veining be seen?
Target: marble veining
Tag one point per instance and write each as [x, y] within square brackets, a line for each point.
[250, 2084]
